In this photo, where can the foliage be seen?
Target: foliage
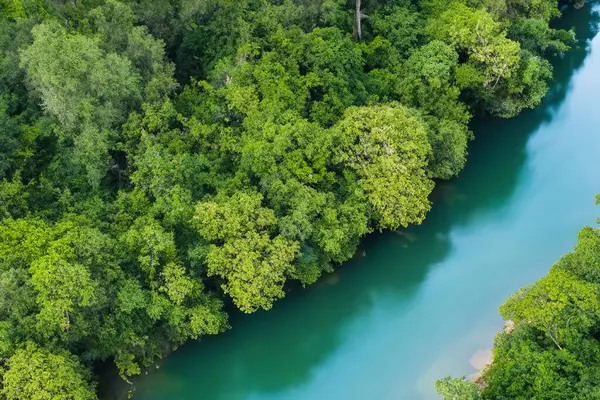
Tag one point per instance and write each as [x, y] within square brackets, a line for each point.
[252, 262]
[38, 374]
[161, 160]
[386, 148]
[429, 84]
[558, 304]
[457, 389]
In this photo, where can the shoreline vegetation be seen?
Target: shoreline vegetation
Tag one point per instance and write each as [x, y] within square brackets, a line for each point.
[483, 359]
[551, 350]
[164, 162]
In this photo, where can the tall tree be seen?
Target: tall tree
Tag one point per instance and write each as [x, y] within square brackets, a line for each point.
[386, 147]
[38, 374]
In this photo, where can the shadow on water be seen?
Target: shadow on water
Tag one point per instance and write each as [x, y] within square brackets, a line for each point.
[270, 352]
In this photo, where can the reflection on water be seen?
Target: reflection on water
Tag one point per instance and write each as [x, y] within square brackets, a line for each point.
[420, 302]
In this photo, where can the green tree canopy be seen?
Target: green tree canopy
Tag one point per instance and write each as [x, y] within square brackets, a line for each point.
[386, 147]
[253, 263]
[38, 374]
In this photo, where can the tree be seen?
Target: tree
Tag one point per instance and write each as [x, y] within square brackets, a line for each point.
[253, 264]
[429, 84]
[559, 305]
[584, 261]
[386, 147]
[62, 285]
[358, 16]
[38, 374]
[86, 89]
[536, 36]
[525, 368]
[401, 25]
[475, 33]
[255, 268]
[91, 83]
[118, 32]
[542, 9]
[334, 66]
[457, 389]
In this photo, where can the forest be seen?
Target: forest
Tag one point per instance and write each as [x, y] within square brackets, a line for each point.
[554, 349]
[164, 163]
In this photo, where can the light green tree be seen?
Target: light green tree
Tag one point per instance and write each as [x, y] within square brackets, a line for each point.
[85, 88]
[559, 305]
[387, 148]
[475, 33]
[253, 263]
[457, 389]
[38, 374]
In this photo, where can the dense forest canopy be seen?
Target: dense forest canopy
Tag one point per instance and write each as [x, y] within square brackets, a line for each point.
[162, 162]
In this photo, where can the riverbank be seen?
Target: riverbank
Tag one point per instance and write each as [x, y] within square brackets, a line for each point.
[413, 311]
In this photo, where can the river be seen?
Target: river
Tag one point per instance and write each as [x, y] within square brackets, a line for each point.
[419, 303]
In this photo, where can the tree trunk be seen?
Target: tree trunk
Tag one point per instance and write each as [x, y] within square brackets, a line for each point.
[357, 22]
[552, 337]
